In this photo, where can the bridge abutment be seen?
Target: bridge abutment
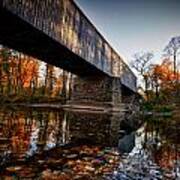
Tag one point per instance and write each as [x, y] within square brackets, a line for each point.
[98, 91]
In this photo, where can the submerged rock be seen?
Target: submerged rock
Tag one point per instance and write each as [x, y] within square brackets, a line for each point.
[127, 143]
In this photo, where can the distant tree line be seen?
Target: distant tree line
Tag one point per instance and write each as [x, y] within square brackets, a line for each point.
[23, 76]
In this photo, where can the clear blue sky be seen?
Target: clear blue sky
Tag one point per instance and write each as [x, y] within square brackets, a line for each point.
[135, 25]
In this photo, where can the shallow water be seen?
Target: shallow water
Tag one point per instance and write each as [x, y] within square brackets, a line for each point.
[57, 144]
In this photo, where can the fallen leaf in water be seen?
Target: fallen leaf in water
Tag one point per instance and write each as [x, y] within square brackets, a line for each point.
[71, 156]
[13, 168]
[89, 168]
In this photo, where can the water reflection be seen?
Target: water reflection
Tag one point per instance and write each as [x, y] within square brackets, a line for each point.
[25, 132]
[62, 144]
[156, 154]
[163, 134]
[57, 139]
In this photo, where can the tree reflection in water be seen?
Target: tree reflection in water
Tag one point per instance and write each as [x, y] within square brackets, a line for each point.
[35, 142]
[74, 145]
[156, 154]
[165, 133]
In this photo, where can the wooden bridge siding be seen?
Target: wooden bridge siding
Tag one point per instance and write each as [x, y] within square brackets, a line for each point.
[63, 21]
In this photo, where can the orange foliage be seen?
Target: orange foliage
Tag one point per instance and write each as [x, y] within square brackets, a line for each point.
[29, 70]
[20, 68]
[164, 72]
[58, 86]
[20, 137]
[165, 157]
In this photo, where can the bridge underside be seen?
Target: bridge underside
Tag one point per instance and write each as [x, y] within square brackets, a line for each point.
[91, 86]
[22, 36]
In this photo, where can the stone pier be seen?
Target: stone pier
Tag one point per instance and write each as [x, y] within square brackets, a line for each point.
[101, 91]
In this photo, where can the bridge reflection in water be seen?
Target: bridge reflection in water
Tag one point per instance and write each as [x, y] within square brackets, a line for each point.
[35, 140]
[38, 143]
[24, 133]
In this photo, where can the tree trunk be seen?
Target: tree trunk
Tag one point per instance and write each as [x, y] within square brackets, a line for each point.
[49, 79]
[64, 85]
[174, 61]
[19, 81]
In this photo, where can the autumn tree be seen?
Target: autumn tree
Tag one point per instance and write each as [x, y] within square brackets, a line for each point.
[163, 76]
[49, 79]
[67, 82]
[5, 80]
[29, 73]
[17, 72]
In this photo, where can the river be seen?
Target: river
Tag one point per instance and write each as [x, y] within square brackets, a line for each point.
[43, 143]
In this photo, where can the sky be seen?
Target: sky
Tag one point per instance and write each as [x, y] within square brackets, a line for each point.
[132, 26]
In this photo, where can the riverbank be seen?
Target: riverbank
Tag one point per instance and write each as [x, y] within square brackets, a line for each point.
[23, 99]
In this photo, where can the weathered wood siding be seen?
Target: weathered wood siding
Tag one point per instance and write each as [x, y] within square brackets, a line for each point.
[63, 21]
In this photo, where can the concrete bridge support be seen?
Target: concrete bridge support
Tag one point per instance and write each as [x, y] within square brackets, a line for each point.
[101, 91]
